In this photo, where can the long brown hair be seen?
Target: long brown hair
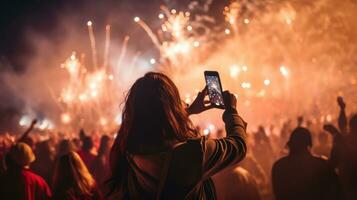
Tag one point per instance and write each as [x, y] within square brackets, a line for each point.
[154, 119]
[71, 173]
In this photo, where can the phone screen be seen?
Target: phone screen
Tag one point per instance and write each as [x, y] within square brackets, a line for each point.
[214, 89]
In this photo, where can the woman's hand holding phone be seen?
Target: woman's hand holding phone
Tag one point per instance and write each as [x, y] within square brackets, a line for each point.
[199, 104]
[230, 100]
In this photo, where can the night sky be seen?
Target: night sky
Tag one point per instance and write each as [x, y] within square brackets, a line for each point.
[43, 17]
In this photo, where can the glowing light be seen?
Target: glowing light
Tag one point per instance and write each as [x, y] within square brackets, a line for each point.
[244, 68]
[89, 23]
[284, 71]
[67, 96]
[173, 11]
[231, 21]
[227, 31]
[82, 97]
[211, 127]
[328, 118]
[234, 71]
[118, 119]
[136, 19]
[94, 93]
[164, 28]
[246, 85]
[152, 61]
[189, 28]
[45, 124]
[65, 118]
[206, 132]
[187, 14]
[111, 77]
[25, 121]
[196, 43]
[188, 100]
[161, 16]
[266, 82]
[103, 121]
[246, 21]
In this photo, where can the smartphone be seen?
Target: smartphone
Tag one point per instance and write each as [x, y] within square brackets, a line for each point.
[214, 88]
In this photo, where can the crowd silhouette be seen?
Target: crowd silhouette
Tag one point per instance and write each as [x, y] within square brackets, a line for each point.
[158, 153]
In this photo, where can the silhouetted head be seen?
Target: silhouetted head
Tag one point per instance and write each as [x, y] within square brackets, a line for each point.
[353, 124]
[71, 173]
[82, 134]
[153, 116]
[64, 147]
[105, 143]
[300, 140]
[87, 143]
[20, 155]
[43, 150]
[77, 143]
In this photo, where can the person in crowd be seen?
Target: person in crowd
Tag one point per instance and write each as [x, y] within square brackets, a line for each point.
[100, 167]
[77, 144]
[235, 183]
[72, 180]
[300, 175]
[19, 182]
[86, 152]
[344, 150]
[158, 154]
[322, 148]
[43, 164]
[262, 148]
[64, 147]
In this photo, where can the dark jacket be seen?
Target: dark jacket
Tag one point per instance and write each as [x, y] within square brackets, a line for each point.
[190, 167]
[304, 176]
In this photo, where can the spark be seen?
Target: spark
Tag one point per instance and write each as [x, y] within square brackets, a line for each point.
[161, 16]
[266, 82]
[66, 118]
[211, 127]
[107, 45]
[25, 121]
[92, 43]
[246, 85]
[196, 43]
[152, 61]
[284, 71]
[234, 71]
[136, 19]
[103, 121]
[227, 31]
[206, 132]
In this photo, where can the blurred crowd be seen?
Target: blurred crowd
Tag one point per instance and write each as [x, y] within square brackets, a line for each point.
[302, 159]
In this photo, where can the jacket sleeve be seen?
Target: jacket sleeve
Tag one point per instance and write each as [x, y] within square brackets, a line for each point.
[221, 153]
